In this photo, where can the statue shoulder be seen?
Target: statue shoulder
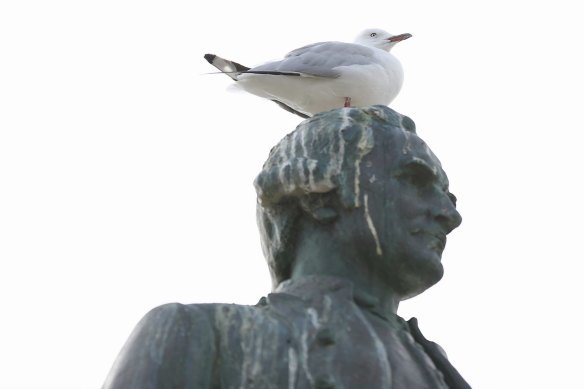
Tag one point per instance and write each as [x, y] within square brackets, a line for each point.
[163, 344]
[177, 345]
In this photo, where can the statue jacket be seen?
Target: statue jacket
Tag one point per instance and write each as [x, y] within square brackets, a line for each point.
[311, 333]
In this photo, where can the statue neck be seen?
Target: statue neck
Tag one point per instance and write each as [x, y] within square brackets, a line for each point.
[321, 256]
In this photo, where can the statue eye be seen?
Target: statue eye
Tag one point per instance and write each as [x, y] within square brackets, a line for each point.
[452, 198]
[373, 34]
[417, 174]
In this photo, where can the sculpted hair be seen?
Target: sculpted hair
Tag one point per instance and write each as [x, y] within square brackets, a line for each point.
[321, 158]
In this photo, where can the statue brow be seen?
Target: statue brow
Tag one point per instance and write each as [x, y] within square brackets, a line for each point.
[419, 163]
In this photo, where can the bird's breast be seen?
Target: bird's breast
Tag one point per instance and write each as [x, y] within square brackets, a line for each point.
[375, 83]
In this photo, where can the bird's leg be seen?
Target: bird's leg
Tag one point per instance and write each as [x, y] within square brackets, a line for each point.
[347, 102]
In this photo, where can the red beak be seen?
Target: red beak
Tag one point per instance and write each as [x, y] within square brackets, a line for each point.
[399, 38]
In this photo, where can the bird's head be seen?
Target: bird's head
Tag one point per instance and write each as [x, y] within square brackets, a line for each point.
[375, 37]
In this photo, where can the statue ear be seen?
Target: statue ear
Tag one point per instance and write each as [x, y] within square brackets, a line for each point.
[318, 208]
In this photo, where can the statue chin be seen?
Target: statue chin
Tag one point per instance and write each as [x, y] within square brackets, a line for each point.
[415, 283]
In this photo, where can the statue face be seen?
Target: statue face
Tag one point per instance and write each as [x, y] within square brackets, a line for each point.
[408, 212]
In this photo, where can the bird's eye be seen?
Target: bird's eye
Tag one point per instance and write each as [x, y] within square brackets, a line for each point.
[373, 34]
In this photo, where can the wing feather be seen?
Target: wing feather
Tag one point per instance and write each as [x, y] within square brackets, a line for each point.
[320, 59]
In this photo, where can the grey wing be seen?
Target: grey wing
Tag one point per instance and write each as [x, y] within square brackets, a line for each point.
[320, 59]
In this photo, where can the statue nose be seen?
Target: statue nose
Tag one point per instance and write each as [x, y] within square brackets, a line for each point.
[447, 215]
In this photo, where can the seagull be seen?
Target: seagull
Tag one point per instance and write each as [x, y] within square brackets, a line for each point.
[325, 75]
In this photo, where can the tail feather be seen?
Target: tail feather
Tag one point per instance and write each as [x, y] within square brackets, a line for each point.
[232, 69]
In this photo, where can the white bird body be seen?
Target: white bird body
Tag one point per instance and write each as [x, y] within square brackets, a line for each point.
[326, 75]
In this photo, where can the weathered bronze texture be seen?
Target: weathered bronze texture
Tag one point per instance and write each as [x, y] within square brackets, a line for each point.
[353, 210]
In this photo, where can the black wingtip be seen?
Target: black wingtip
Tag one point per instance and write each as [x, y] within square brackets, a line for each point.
[210, 58]
[290, 109]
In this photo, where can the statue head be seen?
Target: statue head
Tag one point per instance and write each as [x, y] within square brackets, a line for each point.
[367, 171]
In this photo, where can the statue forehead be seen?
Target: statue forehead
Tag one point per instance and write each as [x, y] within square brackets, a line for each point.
[404, 146]
[399, 148]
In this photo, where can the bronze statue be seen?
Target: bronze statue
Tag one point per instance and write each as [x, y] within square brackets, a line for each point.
[353, 210]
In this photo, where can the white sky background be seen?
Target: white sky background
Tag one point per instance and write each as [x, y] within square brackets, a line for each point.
[126, 174]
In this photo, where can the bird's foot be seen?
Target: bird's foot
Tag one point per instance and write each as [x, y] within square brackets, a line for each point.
[347, 102]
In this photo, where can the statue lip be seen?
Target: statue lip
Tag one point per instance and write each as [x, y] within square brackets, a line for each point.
[439, 241]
